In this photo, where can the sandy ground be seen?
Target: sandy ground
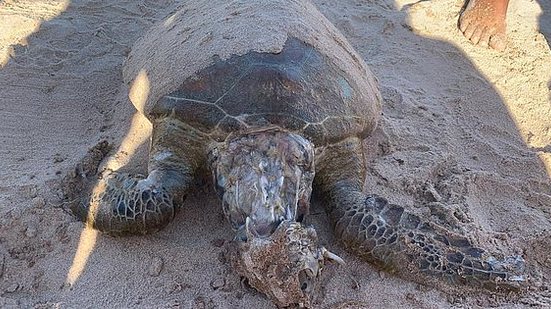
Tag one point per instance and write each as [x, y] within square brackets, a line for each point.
[464, 129]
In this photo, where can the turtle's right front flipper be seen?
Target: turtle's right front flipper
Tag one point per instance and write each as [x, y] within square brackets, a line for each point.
[123, 204]
[401, 242]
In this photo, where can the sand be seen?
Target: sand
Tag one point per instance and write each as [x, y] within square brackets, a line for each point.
[464, 129]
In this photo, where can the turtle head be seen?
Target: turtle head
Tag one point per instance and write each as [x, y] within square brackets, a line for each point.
[264, 179]
[265, 176]
[285, 266]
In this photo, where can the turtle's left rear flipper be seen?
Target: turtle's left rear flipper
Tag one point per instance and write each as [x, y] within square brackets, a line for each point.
[401, 242]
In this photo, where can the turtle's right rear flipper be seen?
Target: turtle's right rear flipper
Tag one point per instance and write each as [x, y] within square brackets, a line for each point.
[114, 202]
[123, 204]
[401, 242]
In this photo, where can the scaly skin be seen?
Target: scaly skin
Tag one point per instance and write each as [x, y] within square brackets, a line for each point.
[122, 204]
[389, 236]
[118, 206]
[284, 266]
[263, 175]
[264, 178]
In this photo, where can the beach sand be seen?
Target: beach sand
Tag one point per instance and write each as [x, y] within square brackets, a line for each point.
[465, 131]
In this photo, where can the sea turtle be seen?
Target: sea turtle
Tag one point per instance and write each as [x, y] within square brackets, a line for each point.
[273, 100]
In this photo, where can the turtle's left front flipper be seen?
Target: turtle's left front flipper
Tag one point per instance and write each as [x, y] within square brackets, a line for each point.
[396, 240]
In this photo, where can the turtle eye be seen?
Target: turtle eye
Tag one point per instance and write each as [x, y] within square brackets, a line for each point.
[306, 280]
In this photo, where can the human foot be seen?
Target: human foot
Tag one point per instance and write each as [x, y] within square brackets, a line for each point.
[483, 23]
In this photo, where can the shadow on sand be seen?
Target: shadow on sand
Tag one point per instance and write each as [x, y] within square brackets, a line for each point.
[69, 76]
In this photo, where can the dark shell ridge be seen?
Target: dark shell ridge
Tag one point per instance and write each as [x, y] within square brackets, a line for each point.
[298, 89]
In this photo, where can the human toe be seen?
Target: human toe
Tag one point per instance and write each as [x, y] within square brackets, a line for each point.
[468, 33]
[485, 38]
[477, 34]
[463, 23]
[498, 41]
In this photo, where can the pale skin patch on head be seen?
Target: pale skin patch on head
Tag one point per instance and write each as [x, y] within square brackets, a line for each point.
[285, 265]
[274, 185]
[266, 177]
